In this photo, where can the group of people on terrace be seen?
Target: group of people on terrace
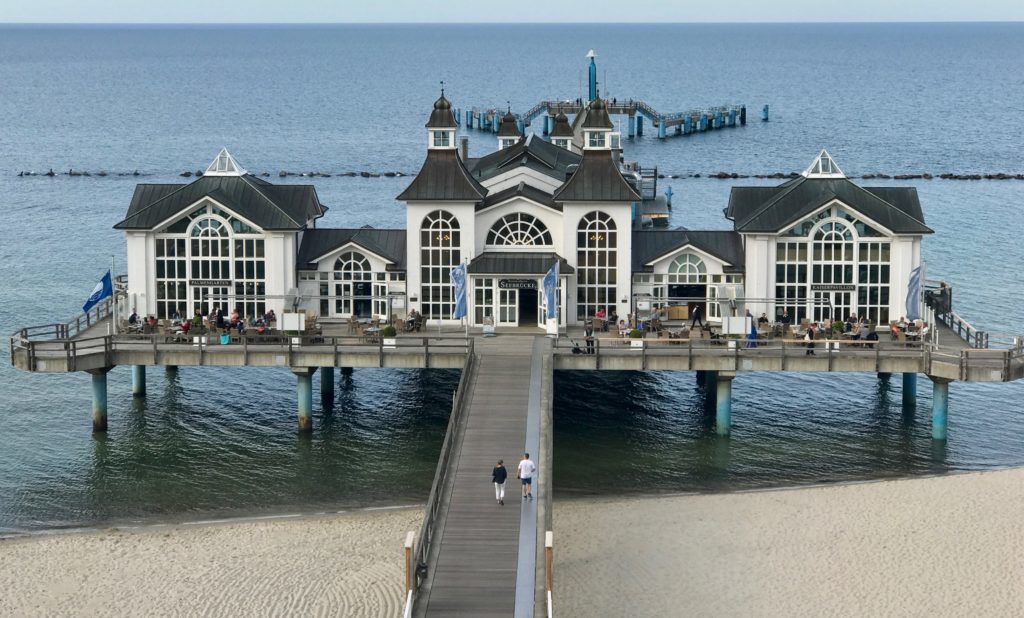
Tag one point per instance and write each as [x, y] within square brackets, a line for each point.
[205, 321]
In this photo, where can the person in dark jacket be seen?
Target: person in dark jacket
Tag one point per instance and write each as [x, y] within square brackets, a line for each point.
[809, 338]
[498, 476]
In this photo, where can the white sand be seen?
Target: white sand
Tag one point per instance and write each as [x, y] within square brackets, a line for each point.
[339, 565]
[946, 546]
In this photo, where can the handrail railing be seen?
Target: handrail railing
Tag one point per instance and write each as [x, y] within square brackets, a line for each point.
[426, 535]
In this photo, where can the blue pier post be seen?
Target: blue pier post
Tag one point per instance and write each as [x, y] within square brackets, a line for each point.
[632, 127]
[679, 129]
[305, 397]
[723, 402]
[718, 120]
[639, 126]
[661, 128]
[469, 119]
[764, 113]
[99, 399]
[546, 130]
[687, 129]
[732, 118]
[909, 390]
[326, 385]
[138, 380]
[495, 121]
[940, 407]
[703, 124]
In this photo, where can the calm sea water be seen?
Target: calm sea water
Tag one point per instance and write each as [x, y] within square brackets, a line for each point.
[216, 442]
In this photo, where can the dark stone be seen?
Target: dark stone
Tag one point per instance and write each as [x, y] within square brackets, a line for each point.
[868, 176]
[282, 174]
[389, 174]
[135, 173]
[199, 173]
[186, 174]
[101, 173]
[348, 174]
[926, 176]
[696, 175]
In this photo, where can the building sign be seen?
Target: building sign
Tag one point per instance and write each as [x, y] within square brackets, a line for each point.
[517, 284]
[209, 282]
[833, 287]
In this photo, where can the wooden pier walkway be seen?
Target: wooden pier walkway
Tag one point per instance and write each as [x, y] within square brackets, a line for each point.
[483, 561]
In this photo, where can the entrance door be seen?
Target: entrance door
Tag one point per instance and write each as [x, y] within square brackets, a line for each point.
[832, 305]
[508, 309]
[205, 299]
[528, 305]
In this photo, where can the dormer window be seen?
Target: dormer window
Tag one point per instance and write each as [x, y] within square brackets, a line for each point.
[596, 139]
[561, 143]
[505, 142]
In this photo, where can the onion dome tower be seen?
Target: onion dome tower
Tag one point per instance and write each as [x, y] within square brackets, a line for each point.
[508, 131]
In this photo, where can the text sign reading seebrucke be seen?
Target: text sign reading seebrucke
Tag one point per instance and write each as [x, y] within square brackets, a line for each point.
[517, 284]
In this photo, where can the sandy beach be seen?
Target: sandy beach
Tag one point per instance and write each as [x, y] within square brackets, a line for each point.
[943, 546]
[337, 565]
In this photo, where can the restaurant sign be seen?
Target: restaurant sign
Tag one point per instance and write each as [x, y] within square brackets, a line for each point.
[210, 282]
[517, 284]
[833, 287]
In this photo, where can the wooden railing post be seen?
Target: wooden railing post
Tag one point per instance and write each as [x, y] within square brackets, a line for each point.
[409, 538]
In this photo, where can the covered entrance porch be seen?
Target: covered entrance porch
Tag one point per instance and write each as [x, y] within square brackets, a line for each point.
[507, 288]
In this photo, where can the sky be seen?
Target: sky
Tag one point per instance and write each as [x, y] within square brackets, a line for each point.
[532, 11]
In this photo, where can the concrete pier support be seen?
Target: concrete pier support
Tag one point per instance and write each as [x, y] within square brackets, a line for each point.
[661, 129]
[99, 399]
[346, 371]
[909, 390]
[940, 407]
[138, 380]
[632, 126]
[326, 384]
[884, 375]
[172, 371]
[305, 397]
[723, 402]
[639, 126]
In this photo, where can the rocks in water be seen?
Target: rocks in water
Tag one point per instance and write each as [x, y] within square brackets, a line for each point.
[348, 174]
[926, 176]
[101, 173]
[185, 174]
[390, 174]
[282, 174]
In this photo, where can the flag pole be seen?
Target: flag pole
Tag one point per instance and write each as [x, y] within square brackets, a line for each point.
[113, 297]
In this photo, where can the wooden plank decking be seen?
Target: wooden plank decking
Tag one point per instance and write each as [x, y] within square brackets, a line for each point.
[475, 569]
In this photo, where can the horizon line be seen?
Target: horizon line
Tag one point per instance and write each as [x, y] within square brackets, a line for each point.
[496, 23]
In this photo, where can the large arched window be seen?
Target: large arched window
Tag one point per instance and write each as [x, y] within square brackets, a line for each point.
[833, 265]
[519, 229]
[439, 253]
[687, 268]
[352, 289]
[596, 242]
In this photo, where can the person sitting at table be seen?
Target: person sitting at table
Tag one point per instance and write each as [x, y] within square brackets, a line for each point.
[601, 315]
[185, 327]
[902, 323]
[133, 318]
[412, 320]
[234, 316]
[622, 328]
[762, 322]
[240, 325]
[894, 331]
[785, 319]
[260, 328]
[175, 316]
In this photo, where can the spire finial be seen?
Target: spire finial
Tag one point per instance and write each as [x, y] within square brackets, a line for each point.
[509, 104]
[442, 87]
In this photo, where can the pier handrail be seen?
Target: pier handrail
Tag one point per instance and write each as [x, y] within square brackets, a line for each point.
[426, 535]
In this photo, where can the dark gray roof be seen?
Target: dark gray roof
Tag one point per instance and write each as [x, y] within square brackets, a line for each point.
[442, 117]
[536, 154]
[443, 177]
[562, 127]
[597, 116]
[726, 245]
[597, 179]
[509, 127]
[520, 190]
[773, 209]
[388, 244]
[517, 263]
[271, 207]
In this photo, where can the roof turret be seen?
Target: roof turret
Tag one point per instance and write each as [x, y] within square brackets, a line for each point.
[509, 126]
[442, 116]
[597, 116]
[562, 127]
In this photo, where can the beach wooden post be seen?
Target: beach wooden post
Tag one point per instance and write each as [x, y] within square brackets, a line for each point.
[304, 376]
[99, 398]
[409, 538]
[138, 380]
[172, 371]
[723, 402]
[549, 561]
[940, 407]
[909, 390]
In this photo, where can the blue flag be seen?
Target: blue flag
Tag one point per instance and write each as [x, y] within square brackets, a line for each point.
[458, 276]
[551, 292]
[914, 295]
[102, 290]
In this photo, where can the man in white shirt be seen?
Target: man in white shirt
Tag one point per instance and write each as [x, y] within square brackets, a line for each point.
[526, 471]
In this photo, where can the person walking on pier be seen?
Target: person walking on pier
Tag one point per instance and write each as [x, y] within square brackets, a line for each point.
[809, 338]
[498, 476]
[526, 471]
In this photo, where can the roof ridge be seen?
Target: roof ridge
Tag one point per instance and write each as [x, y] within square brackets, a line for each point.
[259, 190]
[796, 182]
[894, 206]
[180, 188]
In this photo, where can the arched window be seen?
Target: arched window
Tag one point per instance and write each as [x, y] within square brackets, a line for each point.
[596, 242]
[519, 229]
[687, 268]
[439, 253]
[352, 288]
